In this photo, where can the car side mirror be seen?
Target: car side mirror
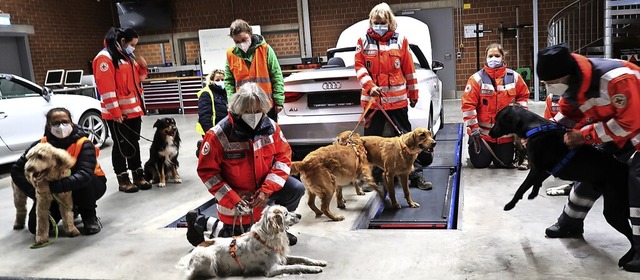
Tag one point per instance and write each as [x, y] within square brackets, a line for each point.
[46, 93]
[437, 65]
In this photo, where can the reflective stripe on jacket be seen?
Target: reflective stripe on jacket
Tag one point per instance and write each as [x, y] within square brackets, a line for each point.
[487, 92]
[74, 151]
[120, 89]
[225, 166]
[551, 106]
[386, 62]
[207, 90]
[607, 103]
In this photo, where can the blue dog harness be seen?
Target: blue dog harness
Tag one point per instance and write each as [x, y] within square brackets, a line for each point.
[558, 167]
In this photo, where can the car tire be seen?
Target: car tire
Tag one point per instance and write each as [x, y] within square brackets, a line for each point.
[92, 123]
[441, 116]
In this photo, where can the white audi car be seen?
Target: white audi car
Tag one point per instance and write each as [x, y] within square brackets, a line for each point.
[23, 109]
[321, 103]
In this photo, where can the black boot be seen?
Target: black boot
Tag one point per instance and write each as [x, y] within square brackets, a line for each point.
[417, 181]
[196, 224]
[139, 180]
[293, 240]
[633, 265]
[92, 225]
[564, 231]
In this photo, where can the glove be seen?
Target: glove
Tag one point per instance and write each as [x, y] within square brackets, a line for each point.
[243, 207]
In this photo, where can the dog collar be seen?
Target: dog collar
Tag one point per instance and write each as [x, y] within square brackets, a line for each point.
[542, 128]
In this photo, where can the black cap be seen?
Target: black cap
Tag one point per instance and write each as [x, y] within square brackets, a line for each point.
[555, 62]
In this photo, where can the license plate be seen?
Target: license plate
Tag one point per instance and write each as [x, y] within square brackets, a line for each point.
[333, 99]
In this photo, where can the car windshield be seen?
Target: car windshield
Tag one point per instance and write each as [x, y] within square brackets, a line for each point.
[10, 89]
[349, 58]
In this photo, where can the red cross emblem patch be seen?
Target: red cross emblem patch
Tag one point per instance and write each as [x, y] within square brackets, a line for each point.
[619, 100]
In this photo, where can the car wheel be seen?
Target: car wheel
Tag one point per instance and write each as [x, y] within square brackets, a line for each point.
[430, 124]
[93, 124]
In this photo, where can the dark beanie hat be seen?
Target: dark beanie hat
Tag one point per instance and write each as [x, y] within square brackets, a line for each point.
[555, 62]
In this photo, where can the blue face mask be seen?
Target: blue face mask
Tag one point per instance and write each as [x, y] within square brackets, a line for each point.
[130, 49]
[380, 29]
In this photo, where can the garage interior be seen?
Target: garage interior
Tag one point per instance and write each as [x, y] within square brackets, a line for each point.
[473, 237]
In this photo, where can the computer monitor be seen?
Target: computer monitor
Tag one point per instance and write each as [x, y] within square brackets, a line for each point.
[54, 78]
[73, 78]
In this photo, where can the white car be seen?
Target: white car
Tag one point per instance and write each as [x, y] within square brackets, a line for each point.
[321, 103]
[23, 109]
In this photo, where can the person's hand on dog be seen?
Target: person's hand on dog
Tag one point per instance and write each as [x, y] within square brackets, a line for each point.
[573, 139]
[243, 207]
[260, 199]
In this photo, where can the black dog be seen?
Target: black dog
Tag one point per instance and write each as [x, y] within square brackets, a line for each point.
[548, 155]
[163, 154]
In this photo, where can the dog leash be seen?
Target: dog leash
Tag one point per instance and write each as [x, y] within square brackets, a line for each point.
[55, 226]
[379, 104]
[477, 150]
[362, 117]
[116, 139]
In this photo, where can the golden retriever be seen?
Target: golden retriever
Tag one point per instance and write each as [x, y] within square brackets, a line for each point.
[45, 163]
[264, 250]
[395, 156]
[325, 170]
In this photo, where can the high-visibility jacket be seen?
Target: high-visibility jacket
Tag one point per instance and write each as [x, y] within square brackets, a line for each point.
[386, 62]
[120, 89]
[258, 72]
[233, 168]
[74, 150]
[606, 102]
[217, 109]
[487, 92]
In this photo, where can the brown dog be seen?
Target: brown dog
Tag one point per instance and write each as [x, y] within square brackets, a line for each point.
[325, 170]
[396, 156]
[45, 163]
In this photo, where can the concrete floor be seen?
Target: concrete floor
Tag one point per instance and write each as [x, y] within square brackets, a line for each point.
[489, 244]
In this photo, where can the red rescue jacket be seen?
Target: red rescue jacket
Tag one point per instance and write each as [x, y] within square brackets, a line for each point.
[606, 102]
[120, 89]
[487, 92]
[233, 168]
[386, 62]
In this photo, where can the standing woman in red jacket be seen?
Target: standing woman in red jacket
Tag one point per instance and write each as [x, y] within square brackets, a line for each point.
[487, 92]
[118, 73]
[384, 67]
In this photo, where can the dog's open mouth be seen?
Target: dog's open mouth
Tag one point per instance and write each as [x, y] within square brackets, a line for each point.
[171, 132]
[426, 149]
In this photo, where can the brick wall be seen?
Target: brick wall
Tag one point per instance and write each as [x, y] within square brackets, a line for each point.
[68, 33]
[152, 53]
[68, 40]
[191, 49]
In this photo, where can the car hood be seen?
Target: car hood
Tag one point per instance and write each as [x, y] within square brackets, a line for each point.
[76, 104]
[322, 74]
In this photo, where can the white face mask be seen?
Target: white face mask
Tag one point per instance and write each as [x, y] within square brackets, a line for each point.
[62, 130]
[252, 119]
[130, 49]
[380, 29]
[494, 62]
[244, 46]
[556, 89]
[219, 83]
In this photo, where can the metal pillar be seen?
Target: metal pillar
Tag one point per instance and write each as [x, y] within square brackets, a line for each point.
[536, 81]
[608, 31]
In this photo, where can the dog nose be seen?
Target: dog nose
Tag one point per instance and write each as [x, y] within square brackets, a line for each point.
[298, 216]
[434, 143]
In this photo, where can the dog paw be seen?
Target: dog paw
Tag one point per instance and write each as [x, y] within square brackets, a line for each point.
[177, 181]
[73, 232]
[396, 205]
[18, 226]
[161, 185]
[342, 205]
[337, 218]
[319, 263]
[315, 269]
[509, 206]
[414, 205]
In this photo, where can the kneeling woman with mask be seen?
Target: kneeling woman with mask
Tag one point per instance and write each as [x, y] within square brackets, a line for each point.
[87, 181]
[244, 162]
[487, 92]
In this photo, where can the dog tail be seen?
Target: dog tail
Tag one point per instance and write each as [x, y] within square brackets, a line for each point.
[296, 167]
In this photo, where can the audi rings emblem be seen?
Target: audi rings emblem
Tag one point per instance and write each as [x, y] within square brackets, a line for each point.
[331, 85]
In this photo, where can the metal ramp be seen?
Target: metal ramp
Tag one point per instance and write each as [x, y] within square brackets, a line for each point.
[438, 206]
